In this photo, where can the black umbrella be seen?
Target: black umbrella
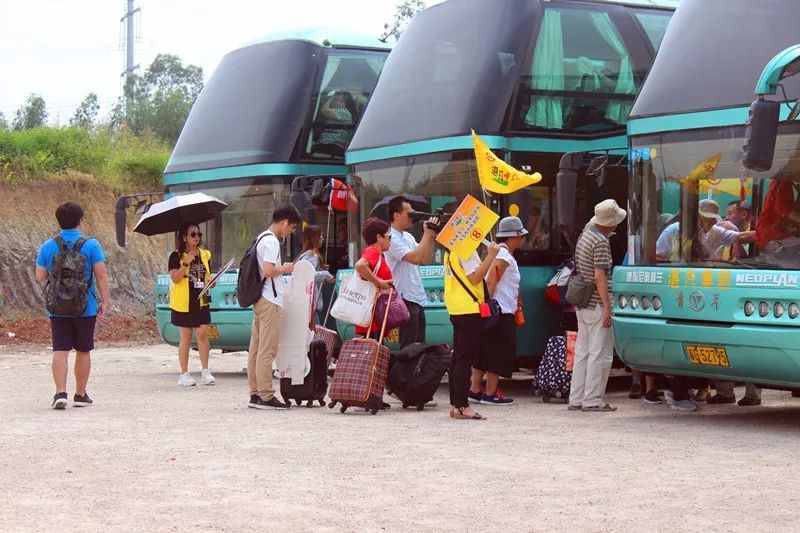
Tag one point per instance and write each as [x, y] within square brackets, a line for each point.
[173, 214]
[381, 209]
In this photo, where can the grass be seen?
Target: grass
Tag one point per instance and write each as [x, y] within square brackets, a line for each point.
[120, 160]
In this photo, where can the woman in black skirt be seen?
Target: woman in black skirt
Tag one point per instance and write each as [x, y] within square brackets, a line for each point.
[499, 354]
[190, 272]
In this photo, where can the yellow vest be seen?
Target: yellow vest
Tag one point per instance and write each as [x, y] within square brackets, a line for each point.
[179, 292]
[457, 300]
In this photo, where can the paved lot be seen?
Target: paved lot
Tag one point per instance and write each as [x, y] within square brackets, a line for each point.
[152, 457]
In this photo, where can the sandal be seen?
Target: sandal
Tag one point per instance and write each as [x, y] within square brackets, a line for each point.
[605, 408]
[459, 415]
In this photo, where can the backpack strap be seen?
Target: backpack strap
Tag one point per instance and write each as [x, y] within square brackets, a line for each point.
[62, 246]
[271, 279]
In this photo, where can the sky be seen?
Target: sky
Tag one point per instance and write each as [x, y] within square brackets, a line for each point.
[66, 49]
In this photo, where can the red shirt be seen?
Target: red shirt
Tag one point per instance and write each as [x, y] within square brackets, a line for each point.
[372, 254]
[777, 206]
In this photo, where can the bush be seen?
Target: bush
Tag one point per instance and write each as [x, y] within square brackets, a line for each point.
[120, 160]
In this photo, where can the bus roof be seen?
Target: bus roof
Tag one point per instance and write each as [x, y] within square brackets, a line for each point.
[659, 4]
[709, 62]
[325, 37]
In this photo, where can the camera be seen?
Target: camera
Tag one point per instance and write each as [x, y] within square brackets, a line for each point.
[443, 217]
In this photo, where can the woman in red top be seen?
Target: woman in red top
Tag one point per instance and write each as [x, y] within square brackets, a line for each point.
[378, 237]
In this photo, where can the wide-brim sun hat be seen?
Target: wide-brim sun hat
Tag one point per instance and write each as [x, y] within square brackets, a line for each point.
[607, 213]
[511, 227]
[709, 209]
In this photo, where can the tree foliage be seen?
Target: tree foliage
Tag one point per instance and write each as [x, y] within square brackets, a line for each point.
[402, 17]
[159, 100]
[32, 114]
[86, 113]
[3, 122]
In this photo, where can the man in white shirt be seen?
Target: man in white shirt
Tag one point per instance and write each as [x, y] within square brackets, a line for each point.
[404, 257]
[267, 310]
[711, 235]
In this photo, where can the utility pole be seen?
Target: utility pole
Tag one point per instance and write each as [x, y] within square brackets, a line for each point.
[130, 66]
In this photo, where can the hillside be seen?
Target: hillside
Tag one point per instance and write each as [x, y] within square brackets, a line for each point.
[27, 212]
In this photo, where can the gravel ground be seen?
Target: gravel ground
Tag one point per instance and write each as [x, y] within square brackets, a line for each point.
[150, 456]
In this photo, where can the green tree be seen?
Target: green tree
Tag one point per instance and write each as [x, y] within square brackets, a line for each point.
[86, 113]
[3, 122]
[32, 114]
[160, 99]
[402, 17]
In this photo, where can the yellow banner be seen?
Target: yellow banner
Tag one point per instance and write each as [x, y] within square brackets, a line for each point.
[495, 174]
[468, 226]
[703, 171]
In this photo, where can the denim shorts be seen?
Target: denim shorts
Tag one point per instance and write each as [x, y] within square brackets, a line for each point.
[69, 333]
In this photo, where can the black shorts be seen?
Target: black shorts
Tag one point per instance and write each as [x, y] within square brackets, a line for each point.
[499, 353]
[69, 333]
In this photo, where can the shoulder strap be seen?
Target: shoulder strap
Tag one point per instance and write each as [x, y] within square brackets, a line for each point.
[62, 246]
[464, 285]
[79, 243]
[255, 245]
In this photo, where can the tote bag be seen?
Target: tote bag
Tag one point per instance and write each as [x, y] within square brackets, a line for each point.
[356, 299]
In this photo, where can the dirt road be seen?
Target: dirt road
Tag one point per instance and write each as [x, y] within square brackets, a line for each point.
[150, 456]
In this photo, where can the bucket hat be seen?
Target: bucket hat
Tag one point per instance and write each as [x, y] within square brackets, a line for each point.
[608, 213]
[709, 209]
[511, 227]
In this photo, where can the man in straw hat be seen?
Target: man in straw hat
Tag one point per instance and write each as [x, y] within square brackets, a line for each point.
[594, 346]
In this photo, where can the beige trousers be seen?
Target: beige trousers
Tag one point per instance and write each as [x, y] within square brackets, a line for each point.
[263, 348]
[594, 353]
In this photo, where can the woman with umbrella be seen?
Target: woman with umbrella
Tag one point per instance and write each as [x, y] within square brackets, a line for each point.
[189, 269]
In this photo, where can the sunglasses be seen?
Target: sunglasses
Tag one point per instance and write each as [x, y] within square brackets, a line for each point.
[195, 234]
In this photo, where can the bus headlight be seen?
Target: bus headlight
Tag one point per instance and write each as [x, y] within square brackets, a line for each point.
[794, 311]
[634, 302]
[645, 303]
[623, 302]
[235, 300]
[228, 299]
[763, 309]
[778, 309]
[749, 309]
[656, 303]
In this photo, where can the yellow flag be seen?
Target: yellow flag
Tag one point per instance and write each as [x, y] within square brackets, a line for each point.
[703, 171]
[468, 226]
[496, 175]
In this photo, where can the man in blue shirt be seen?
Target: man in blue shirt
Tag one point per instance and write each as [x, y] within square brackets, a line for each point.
[404, 257]
[74, 332]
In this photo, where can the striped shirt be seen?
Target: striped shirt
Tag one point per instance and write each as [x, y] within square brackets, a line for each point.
[593, 251]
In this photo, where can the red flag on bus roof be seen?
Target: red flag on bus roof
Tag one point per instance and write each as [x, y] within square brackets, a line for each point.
[342, 197]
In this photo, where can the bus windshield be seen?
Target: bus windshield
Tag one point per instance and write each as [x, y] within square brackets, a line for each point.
[700, 207]
[430, 181]
[346, 85]
[249, 212]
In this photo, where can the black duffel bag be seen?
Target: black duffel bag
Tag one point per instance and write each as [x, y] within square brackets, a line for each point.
[416, 371]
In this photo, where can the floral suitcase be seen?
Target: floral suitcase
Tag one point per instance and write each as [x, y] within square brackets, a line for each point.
[361, 372]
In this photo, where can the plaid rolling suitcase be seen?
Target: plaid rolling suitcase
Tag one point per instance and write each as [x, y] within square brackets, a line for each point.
[361, 372]
[552, 380]
[328, 336]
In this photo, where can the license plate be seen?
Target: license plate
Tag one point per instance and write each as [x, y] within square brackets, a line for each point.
[213, 332]
[707, 355]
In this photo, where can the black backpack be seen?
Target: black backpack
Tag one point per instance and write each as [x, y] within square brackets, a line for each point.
[67, 289]
[416, 371]
[251, 277]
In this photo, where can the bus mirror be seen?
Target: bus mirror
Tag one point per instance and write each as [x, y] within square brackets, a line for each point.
[761, 134]
[317, 190]
[121, 219]
[566, 185]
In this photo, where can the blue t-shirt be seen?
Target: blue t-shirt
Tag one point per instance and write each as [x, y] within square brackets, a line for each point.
[91, 249]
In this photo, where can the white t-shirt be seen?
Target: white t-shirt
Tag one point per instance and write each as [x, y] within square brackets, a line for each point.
[405, 275]
[269, 249]
[717, 236]
[507, 289]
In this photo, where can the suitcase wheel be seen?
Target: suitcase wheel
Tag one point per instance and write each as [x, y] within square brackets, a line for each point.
[405, 406]
[332, 405]
[299, 402]
[310, 403]
[373, 411]
[545, 397]
[322, 403]
[420, 407]
[342, 409]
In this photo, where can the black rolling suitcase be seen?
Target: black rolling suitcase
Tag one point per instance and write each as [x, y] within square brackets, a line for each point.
[315, 385]
[416, 371]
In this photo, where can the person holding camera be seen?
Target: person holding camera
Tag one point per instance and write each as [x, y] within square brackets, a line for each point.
[404, 256]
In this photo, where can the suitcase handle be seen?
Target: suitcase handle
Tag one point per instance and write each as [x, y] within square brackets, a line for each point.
[385, 318]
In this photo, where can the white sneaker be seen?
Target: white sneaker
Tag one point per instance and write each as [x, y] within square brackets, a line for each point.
[206, 377]
[186, 380]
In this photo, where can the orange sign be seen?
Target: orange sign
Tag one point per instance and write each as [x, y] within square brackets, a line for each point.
[468, 226]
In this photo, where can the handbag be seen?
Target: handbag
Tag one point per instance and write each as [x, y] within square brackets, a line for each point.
[398, 311]
[489, 309]
[579, 291]
[356, 299]
[519, 316]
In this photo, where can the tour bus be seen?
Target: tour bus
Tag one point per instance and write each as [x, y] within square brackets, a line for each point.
[537, 80]
[692, 302]
[258, 136]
